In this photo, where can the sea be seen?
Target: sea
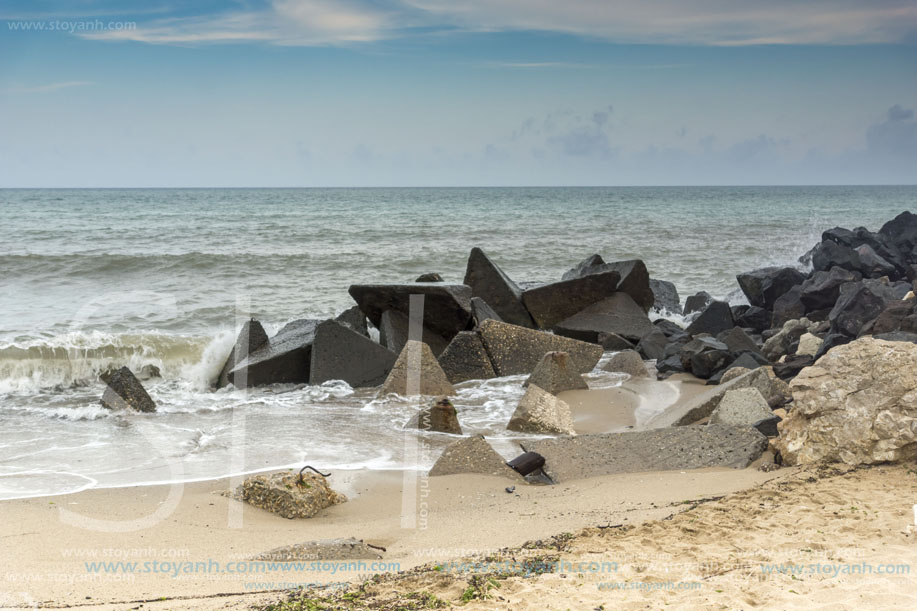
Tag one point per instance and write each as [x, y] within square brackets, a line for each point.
[95, 278]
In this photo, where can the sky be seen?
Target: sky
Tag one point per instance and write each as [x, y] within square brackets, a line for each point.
[300, 93]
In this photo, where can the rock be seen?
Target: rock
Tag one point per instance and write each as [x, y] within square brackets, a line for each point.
[856, 405]
[763, 286]
[830, 341]
[635, 281]
[394, 330]
[809, 344]
[541, 412]
[715, 318]
[779, 344]
[353, 317]
[738, 341]
[788, 306]
[124, 391]
[285, 359]
[429, 277]
[671, 329]
[734, 372]
[665, 296]
[488, 282]
[340, 353]
[746, 361]
[481, 311]
[553, 374]
[515, 350]
[251, 337]
[149, 372]
[323, 549]
[902, 230]
[550, 304]
[856, 306]
[898, 336]
[792, 365]
[669, 365]
[618, 314]
[472, 455]
[703, 356]
[885, 290]
[466, 359]
[430, 379]
[830, 254]
[741, 407]
[822, 288]
[613, 342]
[629, 362]
[284, 494]
[871, 264]
[592, 264]
[652, 345]
[697, 302]
[703, 404]
[754, 318]
[768, 426]
[446, 307]
[440, 417]
[677, 448]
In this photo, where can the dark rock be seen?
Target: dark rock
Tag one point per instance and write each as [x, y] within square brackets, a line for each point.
[856, 306]
[831, 254]
[446, 307]
[430, 277]
[430, 378]
[554, 374]
[669, 365]
[898, 336]
[340, 353]
[149, 372]
[763, 286]
[788, 306]
[738, 310]
[618, 314]
[674, 448]
[767, 426]
[738, 341]
[124, 391]
[745, 360]
[652, 345]
[353, 317]
[902, 230]
[466, 359]
[440, 417]
[635, 281]
[590, 265]
[871, 264]
[472, 455]
[665, 296]
[671, 329]
[897, 316]
[697, 302]
[481, 311]
[488, 282]
[284, 359]
[793, 364]
[250, 338]
[715, 318]
[613, 342]
[885, 290]
[629, 362]
[755, 318]
[551, 303]
[394, 328]
[516, 350]
[709, 362]
[822, 288]
[830, 341]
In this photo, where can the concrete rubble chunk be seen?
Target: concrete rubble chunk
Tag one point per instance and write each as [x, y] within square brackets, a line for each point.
[516, 350]
[284, 494]
[541, 412]
[618, 314]
[440, 417]
[466, 359]
[430, 378]
[488, 282]
[124, 391]
[741, 407]
[284, 359]
[446, 307]
[551, 303]
[394, 330]
[251, 337]
[473, 455]
[554, 374]
[629, 362]
[340, 353]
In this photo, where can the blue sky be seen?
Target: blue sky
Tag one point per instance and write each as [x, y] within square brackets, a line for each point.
[437, 92]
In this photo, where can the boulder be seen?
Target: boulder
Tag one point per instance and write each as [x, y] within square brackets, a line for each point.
[440, 417]
[429, 277]
[635, 281]
[149, 372]
[763, 286]
[668, 366]
[515, 350]
[809, 344]
[830, 254]
[466, 359]
[697, 302]
[754, 318]
[898, 315]
[652, 345]
[429, 379]
[394, 330]
[886, 290]
[627, 361]
[251, 337]
[745, 361]
[898, 336]
[553, 374]
[550, 304]
[592, 264]
[340, 353]
[481, 311]
[353, 317]
[856, 405]
[284, 359]
[871, 264]
[613, 342]
[665, 296]
[323, 549]
[779, 344]
[124, 391]
[741, 407]
[733, 372]
[473, 455]
[792, 365]
[672, 330]
[822, 288]
[738, 340]
[788, 306]
[488, 282]
[541, 412]
[830, 341]
[446, 307]
[715, 318]
[678, 448]
[288, 496]
[618, 314]
[902, 231]
[855, 307]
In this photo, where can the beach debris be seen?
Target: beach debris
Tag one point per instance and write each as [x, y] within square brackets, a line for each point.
[340, 353]
[488, 282]
[515, 350]
[673, 448]
[627, 361]
[665, 297]
[323, 549]
[288, 494]
[481, 311]
[301, 480]
[551, 303]
[554, 374]
[510, 489]
[353, 317]
[541, 412]
[526, 463]
[440, 417]
[431, 379]
[429, 277]
[618, 314]
[251, 337]
[124, 391]
[394, 332]
[856, 405]
[472, 455]
[466, 359]
[763, 286]
[283, 359]
[715, 318]
[446, 307]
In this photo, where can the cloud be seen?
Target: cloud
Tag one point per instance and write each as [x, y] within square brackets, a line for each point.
[49, 87]
[896, 137]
